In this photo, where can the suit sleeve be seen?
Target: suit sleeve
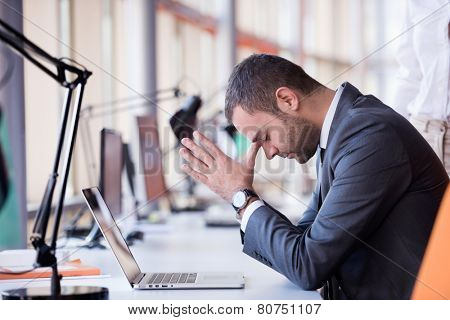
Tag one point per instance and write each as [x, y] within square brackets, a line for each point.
[370, 175]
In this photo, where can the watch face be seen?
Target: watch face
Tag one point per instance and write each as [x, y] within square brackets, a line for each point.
[239, 199]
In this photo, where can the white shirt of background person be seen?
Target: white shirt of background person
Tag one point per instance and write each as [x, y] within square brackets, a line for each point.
[423, 83]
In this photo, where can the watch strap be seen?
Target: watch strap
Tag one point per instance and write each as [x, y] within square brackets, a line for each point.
[249, 193]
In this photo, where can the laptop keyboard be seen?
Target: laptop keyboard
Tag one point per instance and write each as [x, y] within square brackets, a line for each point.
[170, 278]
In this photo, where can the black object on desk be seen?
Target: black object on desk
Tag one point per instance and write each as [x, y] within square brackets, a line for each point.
[133, 236]
[67, 293]
[69, 124]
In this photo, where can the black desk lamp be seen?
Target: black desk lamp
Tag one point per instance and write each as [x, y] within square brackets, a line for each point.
[183, 124]
[46, 253]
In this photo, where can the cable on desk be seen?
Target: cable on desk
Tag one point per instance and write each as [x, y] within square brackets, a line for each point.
[6, 271]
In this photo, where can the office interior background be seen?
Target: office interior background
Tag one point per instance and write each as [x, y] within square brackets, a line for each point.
[136, 48]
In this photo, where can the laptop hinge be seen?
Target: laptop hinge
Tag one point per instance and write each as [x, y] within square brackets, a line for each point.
[138, 278]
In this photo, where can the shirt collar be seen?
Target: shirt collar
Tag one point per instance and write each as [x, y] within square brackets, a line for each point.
[324, 133]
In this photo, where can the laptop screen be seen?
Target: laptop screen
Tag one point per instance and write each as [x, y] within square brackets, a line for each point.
[112, 233]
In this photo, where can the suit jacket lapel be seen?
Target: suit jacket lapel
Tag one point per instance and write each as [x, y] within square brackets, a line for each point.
[348, 99]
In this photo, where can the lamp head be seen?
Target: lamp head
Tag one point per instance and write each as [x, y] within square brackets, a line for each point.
[184, 121]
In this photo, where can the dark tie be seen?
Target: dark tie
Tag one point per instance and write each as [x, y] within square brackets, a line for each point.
[319, 178]
[322, 154]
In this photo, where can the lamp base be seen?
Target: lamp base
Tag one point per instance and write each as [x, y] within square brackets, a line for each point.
[67, 293]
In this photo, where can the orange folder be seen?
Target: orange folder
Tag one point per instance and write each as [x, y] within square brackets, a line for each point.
[68, 269]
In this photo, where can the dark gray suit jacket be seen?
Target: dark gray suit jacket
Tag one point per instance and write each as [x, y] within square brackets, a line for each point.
[381, 186]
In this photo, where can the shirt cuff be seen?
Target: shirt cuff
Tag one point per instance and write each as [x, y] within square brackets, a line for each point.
[249, 211]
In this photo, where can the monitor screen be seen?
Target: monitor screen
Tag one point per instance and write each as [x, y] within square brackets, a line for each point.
[111, 164]
[112, 233]
[151, 158]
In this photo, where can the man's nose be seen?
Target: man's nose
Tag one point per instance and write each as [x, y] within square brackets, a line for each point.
[270, 151]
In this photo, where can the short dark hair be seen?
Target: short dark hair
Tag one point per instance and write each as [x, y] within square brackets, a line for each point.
[254, 81]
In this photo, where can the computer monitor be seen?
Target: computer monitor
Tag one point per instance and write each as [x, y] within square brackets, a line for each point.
[151, 158]
[111, 166]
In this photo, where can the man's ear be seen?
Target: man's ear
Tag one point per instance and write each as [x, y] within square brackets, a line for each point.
[287, 101]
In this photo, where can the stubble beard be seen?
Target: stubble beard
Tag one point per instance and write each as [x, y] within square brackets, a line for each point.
[303, 138]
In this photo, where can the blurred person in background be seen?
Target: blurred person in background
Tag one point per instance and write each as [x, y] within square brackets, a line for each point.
[423, 87]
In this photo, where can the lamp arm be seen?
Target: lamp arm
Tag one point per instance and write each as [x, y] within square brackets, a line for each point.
[33, 53]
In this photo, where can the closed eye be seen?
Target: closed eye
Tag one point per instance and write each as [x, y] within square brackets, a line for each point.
[260, 138]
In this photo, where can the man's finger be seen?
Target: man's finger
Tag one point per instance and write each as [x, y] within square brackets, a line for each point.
[209, 146]
[194, 174]
[250, 157]
[198, 151]
[193, 161]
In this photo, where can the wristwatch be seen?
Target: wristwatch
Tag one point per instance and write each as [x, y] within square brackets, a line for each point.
[241, 198]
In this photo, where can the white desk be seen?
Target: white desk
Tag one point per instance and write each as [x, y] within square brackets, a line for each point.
[185, 245]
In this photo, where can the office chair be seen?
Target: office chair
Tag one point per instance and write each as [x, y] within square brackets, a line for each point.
[433, 282]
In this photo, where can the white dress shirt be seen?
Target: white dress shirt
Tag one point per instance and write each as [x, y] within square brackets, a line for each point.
[423, 85]
[322, 143]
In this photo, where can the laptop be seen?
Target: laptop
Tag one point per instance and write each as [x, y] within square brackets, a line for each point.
[152, 280]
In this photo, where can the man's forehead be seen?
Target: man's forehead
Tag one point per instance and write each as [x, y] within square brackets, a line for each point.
[246, 123]
[255, 119]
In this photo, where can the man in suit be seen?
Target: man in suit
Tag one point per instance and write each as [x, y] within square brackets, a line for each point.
[379, 186]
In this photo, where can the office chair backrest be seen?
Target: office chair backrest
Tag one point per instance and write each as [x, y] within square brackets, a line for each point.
[433, 281]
